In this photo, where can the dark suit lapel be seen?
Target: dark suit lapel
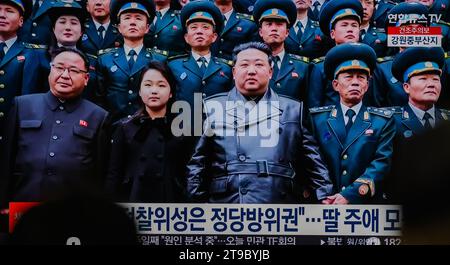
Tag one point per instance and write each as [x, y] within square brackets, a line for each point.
[358, 128]
[293, 36]
[15, 49]
[121, 61]
[286, 67]
[336, 123]
[230, 24]
[213, 67]
[192, 66]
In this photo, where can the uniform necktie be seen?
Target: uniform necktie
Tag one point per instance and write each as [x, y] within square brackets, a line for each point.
[316, 9]
[363, 33]
[100, 30]
[131, 61]
[36, 6]
[158, 17]
[2, 50]
[350, 114]
[276, 69]
[224, 20]
[427, 117]
[299, 32]
[202, 65]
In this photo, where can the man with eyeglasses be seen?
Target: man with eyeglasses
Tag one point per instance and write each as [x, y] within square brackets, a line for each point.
[54, 141]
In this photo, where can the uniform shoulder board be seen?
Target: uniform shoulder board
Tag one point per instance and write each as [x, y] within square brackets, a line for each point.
[299, 58]
[318, 60]
[245, 16]
[445, 113]
[321, 109]
[315, 23]
[225, 61]
[385, 59]
[392, 2]
[162, 52]
[387, 113]
[379, 30]
[447, 55]
[177, 12]
[34, 46]
[394, 109]
[178, 56]
[217, 95]
[91, 56]
[109, 50]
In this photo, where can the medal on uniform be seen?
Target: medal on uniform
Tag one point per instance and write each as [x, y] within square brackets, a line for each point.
[20, 58]
[294, 75]
[175, 27]
[239, 29]
[366, 115]
[363, 189]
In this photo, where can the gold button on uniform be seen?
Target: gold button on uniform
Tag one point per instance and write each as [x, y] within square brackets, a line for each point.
[344, 172]
[2, 85]
[2, 100]
[2, 114]
[345, 157]
[2, 72]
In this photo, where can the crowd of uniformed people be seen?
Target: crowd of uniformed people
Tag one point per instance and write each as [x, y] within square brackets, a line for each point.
[88, 91]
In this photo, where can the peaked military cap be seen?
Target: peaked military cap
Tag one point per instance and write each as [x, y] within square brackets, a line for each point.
[119, 6]
[349, 56]
[406, 13]
[204, 11]
[65, 7]
[275, 9]
[417, 60]
[335, 10]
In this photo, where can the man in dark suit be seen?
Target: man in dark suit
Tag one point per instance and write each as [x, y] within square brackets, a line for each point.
[291, 72]
[356, 140]
[99, 33]
[54, 141]
[235, 162]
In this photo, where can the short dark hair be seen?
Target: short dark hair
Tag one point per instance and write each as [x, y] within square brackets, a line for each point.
[166, 73]
[55, 52]
[253, 45]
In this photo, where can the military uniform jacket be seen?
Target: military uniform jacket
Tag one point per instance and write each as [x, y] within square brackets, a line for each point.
[118, 86]
[313, 43]
[167, 34]
[37, 29]
[408, 125]
[380, 15]
[377, 39]
[293, 77]
[441, 7]
[361, 157]
[91, 42]
[20, 73]
[387, 90]
[51, 146]
[189, 80]
[148, 163]
[239, 29]
[230, 165]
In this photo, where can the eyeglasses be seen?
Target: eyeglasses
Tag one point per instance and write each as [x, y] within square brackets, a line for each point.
[72, 70]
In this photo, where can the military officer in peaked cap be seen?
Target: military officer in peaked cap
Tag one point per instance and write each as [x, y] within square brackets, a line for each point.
[199, 74]
[340, 20]
[290, 72]
[419, 70]
[37, 26]
[356, 140]
[118, 69]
